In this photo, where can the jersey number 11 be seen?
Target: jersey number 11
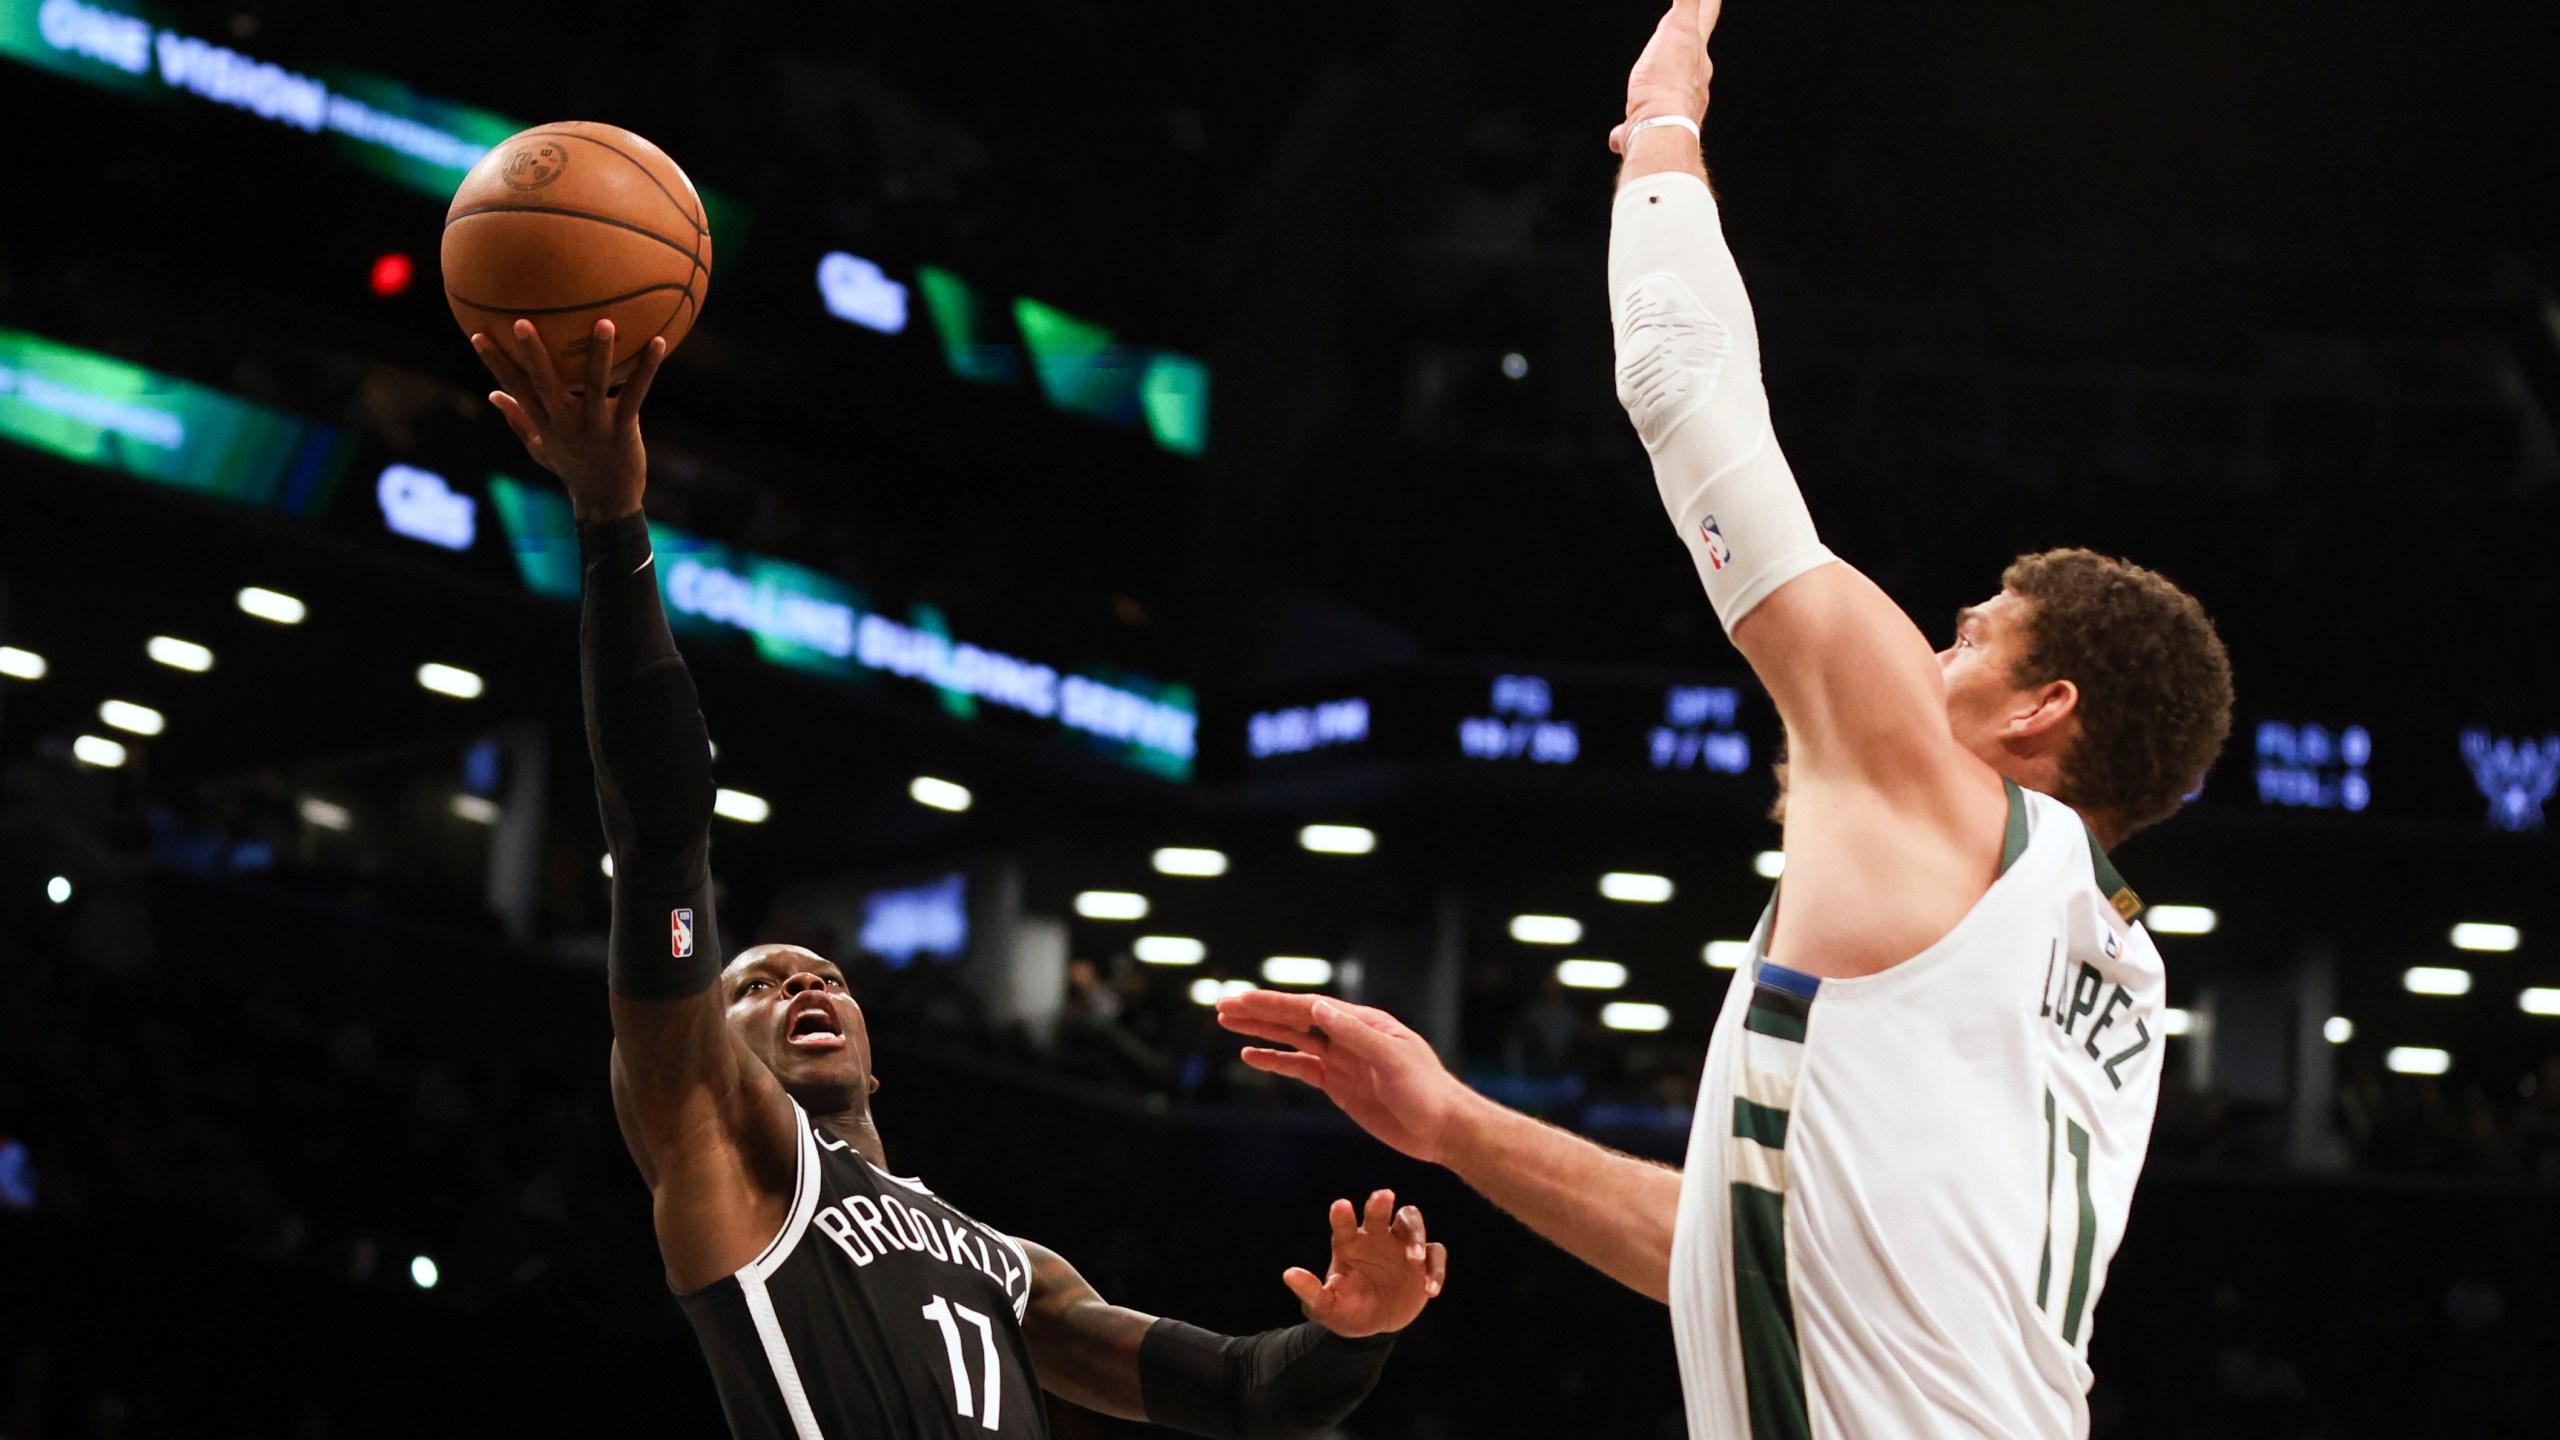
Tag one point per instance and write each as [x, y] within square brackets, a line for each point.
[991, 1384]
[2084, 1245]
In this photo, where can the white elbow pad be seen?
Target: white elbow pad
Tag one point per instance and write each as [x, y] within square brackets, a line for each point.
[1689, 376]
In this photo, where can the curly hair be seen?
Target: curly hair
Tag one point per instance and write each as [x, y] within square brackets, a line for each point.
[2154, 681]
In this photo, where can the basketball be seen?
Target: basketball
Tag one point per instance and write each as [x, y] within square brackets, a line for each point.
[574, 222]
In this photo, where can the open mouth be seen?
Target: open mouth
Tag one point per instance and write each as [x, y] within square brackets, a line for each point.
[814, 1028]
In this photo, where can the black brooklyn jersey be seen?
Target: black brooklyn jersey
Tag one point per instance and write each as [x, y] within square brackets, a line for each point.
[879, 1313]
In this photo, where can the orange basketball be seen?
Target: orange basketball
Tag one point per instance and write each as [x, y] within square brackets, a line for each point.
[571, 223]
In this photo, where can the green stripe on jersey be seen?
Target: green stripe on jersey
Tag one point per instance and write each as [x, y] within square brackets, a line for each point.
[1772, 1369]
[1766, 1124]
[1775, 1012]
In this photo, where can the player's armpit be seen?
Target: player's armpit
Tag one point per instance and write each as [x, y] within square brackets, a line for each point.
[714, 1142]
[1855, 681]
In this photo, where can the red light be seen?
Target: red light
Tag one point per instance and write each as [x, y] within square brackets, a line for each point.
[391, 274]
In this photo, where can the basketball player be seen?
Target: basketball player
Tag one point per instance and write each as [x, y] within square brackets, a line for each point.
[1927, 1098]
[832, 1297]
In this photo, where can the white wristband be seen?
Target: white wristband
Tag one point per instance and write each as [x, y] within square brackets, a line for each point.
[1683, 121]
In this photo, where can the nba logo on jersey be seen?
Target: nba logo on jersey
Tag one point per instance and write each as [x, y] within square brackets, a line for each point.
[680, 942]
[1719, 554]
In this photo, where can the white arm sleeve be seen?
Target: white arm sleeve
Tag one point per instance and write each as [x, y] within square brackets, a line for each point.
[1689, 376]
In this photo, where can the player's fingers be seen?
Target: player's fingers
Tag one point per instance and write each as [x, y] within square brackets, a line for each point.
[1289, 1063]
[1354, 1027]
[516, 418]
[1409, 1227]
[635, 391]
[599, 369]
[1345, 1221]
[1435, 1269]
[1270, 1007]
[535, 358]
[1309, 1290]
[1278, 1034]
[1381, 1212]
[502, 367]
[1618, 139]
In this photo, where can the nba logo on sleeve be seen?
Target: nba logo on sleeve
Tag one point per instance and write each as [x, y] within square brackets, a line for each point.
[1719, 554]
[680, 942]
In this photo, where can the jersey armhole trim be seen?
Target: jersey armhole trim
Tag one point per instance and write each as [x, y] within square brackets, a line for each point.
[804, 1203]
[2110, 881]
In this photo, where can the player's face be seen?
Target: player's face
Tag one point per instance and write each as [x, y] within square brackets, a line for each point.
[794, 1012]
[1977, 665]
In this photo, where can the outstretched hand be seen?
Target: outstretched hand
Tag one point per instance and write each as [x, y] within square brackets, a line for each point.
[590, 436]
[1384, 1270]
[1670, 77]
[1382, 1075]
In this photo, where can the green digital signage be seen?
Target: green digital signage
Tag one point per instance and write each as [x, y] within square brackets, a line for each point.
[807, 620]
[1082, 366]
[101, 411]
[417, 141]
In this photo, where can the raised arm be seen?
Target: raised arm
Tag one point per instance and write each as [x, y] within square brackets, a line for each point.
[1888, 807]
[1290, 1384]
[708, 1126]
[1614, 1211]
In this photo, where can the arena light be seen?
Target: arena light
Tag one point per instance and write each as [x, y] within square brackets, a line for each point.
[179, 654]
[273, 605]
[1111, 905]
[1769, 864]
[1297, 970]
[1338, 839]
[606, 865]
[935, 794]
[391, 274]
[323, 815]
[20, 664]
[1205, 991]
[1728, 954]
[97, 750]
[2174, 1021]
[2436, 980]
[1545, 929]
[1635, 889]
[1185, 860]
[2180, 920]
[1591, 974]
[478, 809]
[2337, 1029]
[450, 680]
[1635, 1015]
[2493, 939]
[138, 719]
[423, 1273]
[2417, 1060]
[740, 806]
[1169, 950]
[58, 889]
[2539, 1000]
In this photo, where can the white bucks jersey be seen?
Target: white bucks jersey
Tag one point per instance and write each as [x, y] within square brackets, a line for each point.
[1903, 1189]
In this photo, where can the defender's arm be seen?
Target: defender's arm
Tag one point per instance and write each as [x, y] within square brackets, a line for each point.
[1898, 825]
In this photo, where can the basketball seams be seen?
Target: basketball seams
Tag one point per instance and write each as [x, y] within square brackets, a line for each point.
[694, 254]
[573, 309]
[701, 225]
[610, 203]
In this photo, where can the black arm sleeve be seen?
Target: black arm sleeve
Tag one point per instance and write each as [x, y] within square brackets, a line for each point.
[652, 755]
[1291, 1384]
